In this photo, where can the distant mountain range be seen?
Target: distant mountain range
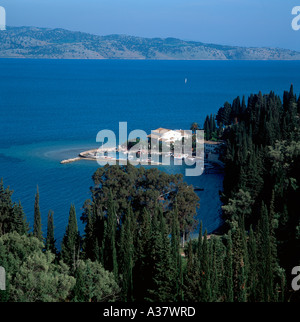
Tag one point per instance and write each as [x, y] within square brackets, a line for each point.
[32, 42]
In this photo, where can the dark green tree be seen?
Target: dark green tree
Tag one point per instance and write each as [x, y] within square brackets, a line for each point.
[141, 188]
[176, 256]
[207, 129]
[224, 115]
[70, 248]
[205, 271]
[228, 266]
[126, 257]
[50, 240]
[37, 225]
[162, 273]
[253, 266]
[142, 269]
[12, 217]
[192, 276]
[266, 274]
[109, 242]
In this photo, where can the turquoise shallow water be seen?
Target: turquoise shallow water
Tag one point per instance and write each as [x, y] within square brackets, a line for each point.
[52, 109]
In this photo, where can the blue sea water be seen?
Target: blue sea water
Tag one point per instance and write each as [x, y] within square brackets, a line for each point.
[51, 110]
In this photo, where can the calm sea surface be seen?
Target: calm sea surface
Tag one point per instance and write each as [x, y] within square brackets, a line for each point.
[52, 109]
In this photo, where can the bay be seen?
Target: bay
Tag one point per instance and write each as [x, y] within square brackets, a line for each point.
[51, 110]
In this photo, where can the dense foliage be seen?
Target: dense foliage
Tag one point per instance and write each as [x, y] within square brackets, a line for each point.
[262, 176]
[137, 220]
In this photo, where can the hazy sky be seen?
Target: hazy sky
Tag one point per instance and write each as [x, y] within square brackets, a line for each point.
[232, 22]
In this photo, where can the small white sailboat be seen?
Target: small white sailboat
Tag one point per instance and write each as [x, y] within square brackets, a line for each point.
[185, 80]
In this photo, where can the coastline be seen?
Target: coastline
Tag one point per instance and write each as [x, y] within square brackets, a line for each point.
[209, 165]
[207, 186]
[91, 155]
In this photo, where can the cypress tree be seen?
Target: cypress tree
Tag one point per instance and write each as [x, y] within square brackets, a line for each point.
[160, 261]
[6, 207]
[273, 242]
[168, 272]
[126, 252]
[214, 128]
[90, 242]
[192, 277]
[80, 286]
[228, 281]
[37, 226]
[199, 250]
[20, 223]
[240, 258]
[207, 131]
[50, 240]
[142, 269]
[205, 271]
[71, 242]
[253, 266]
[242, 292]
[109, 242]
[99, 223]
[190, 257]
[175, 249]
[265, 256]
[12, 217]
[245, 252]
[154, 258]
[214, 270]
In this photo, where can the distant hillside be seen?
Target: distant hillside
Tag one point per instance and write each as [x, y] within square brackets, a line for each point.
[31, 42]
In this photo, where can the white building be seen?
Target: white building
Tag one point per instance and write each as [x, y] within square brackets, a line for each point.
[169, 136]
